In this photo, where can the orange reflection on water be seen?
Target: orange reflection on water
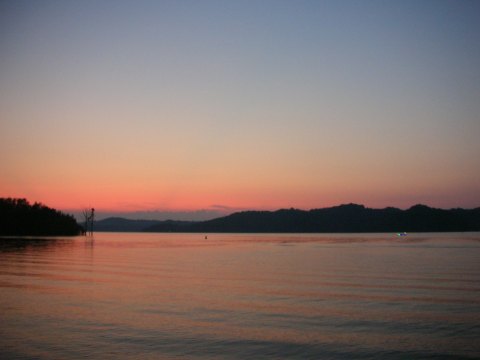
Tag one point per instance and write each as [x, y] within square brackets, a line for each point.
[153, 292]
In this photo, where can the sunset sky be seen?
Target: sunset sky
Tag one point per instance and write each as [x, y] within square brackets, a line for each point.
[224, 105]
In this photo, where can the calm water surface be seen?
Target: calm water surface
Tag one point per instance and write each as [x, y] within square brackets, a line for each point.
[181, 296]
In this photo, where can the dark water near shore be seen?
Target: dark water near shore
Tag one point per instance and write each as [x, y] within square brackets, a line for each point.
[180, 296]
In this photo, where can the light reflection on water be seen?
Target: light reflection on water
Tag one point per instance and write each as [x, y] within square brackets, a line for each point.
[241, 296]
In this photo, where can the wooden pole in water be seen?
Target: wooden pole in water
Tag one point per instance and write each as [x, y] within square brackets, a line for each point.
[86, 217]
[92, 218]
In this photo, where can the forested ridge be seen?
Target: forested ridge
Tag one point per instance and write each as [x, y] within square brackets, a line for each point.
[343, 218]
[19, 217]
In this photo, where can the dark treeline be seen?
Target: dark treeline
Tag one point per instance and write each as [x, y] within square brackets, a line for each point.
[19, 217]
[343, 218]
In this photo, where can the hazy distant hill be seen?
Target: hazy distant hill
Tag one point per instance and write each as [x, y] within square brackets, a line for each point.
[343, 218]
[19, 217]
[127, 225]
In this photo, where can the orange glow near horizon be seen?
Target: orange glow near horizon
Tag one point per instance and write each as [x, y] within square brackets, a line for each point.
[129, 198]
[236, 177]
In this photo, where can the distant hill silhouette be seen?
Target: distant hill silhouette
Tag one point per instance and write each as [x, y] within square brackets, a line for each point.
[127, 225]
[343, 218]
[19, 217]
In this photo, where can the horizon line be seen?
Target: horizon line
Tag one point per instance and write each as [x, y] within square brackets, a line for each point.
[206, 214]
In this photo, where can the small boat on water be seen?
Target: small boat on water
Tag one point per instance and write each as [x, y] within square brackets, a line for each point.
[402, 234]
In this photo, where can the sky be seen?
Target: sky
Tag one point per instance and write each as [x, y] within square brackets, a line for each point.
[216, 106]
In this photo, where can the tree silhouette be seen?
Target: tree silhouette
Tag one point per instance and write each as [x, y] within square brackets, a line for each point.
[19, 217]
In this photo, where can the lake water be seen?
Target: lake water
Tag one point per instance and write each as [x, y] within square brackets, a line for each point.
[248, 296]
